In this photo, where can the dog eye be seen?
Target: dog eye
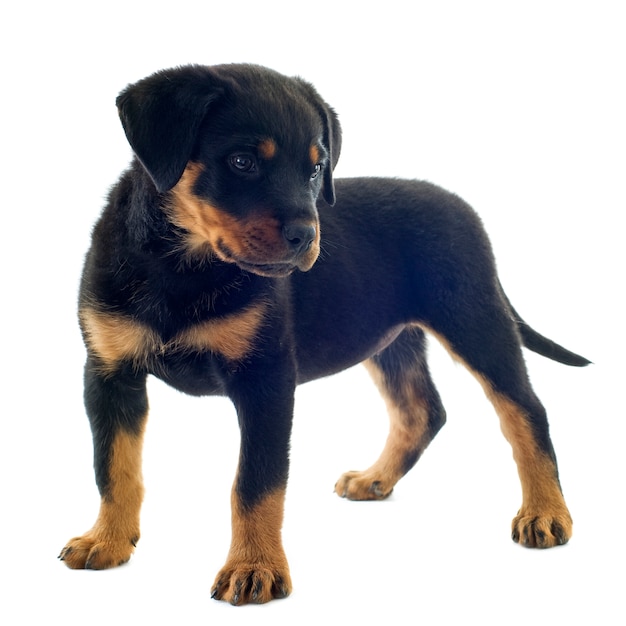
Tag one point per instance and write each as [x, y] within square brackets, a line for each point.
[316, 171]
[242, 163]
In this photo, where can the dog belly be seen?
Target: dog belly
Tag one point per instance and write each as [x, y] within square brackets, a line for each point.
[325, 355]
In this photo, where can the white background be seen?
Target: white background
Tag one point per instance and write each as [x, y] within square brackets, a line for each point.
[517, 107]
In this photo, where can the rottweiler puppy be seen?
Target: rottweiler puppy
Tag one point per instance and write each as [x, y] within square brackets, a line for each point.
[228, 261]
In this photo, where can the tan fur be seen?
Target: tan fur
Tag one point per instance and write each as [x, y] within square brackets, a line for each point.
[314, 154]
[408, 422]
[255, 240]
[542, 500]
[113, 537]
[207, 225]
[267, 148]
[115, 338]
[543, 504]
[233, 336]
[204, 224]
[256, 569]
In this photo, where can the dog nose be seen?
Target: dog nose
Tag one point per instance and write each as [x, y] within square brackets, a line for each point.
[299, 236]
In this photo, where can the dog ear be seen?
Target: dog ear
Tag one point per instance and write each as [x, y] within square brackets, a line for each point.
[161, 115]
[332, 138]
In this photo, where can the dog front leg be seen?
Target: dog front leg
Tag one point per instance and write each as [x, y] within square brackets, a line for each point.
[256, 569]
[117, 406]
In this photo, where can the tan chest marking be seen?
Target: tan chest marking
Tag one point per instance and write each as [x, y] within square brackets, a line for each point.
[117, 338]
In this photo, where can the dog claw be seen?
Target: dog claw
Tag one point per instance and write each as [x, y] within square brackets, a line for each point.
[284, 589]
[376, 490]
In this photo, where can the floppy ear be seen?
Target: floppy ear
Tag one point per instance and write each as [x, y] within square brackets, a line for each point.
[161, 115]
[332, 138]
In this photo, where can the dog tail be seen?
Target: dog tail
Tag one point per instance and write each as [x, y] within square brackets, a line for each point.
[548, 348]
[544, 346]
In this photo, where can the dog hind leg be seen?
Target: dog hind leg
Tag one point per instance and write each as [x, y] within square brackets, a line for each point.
[415, 413]
[485, 339]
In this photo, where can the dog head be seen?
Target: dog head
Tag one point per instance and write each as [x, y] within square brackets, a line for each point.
[241, 154]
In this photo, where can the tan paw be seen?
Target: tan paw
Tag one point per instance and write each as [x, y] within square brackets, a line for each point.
[542, 530]
[94, 552]
[243, 583]
[363, 486]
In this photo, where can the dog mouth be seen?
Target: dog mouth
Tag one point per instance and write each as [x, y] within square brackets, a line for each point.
[269, 270]
[275, 269]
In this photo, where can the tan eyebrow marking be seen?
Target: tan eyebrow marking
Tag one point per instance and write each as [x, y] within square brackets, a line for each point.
[267, 148]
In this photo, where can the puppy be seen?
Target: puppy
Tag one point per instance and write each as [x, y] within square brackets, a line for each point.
[221, 266]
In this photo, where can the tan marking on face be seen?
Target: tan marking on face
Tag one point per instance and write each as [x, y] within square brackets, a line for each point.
[314, 154]
[255, 240]
[208, 228]
[204, 224]
[116, 338]
[306, 262]
[267, 149]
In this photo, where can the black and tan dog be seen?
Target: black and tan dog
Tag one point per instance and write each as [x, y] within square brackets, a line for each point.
[219, 266]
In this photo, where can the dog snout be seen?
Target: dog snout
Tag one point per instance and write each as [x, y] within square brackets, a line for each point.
[299, 236]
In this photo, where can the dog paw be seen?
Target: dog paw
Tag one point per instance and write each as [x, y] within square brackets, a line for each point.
[92, 551]
[244, 583]
[542, 530]
[363, 486]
